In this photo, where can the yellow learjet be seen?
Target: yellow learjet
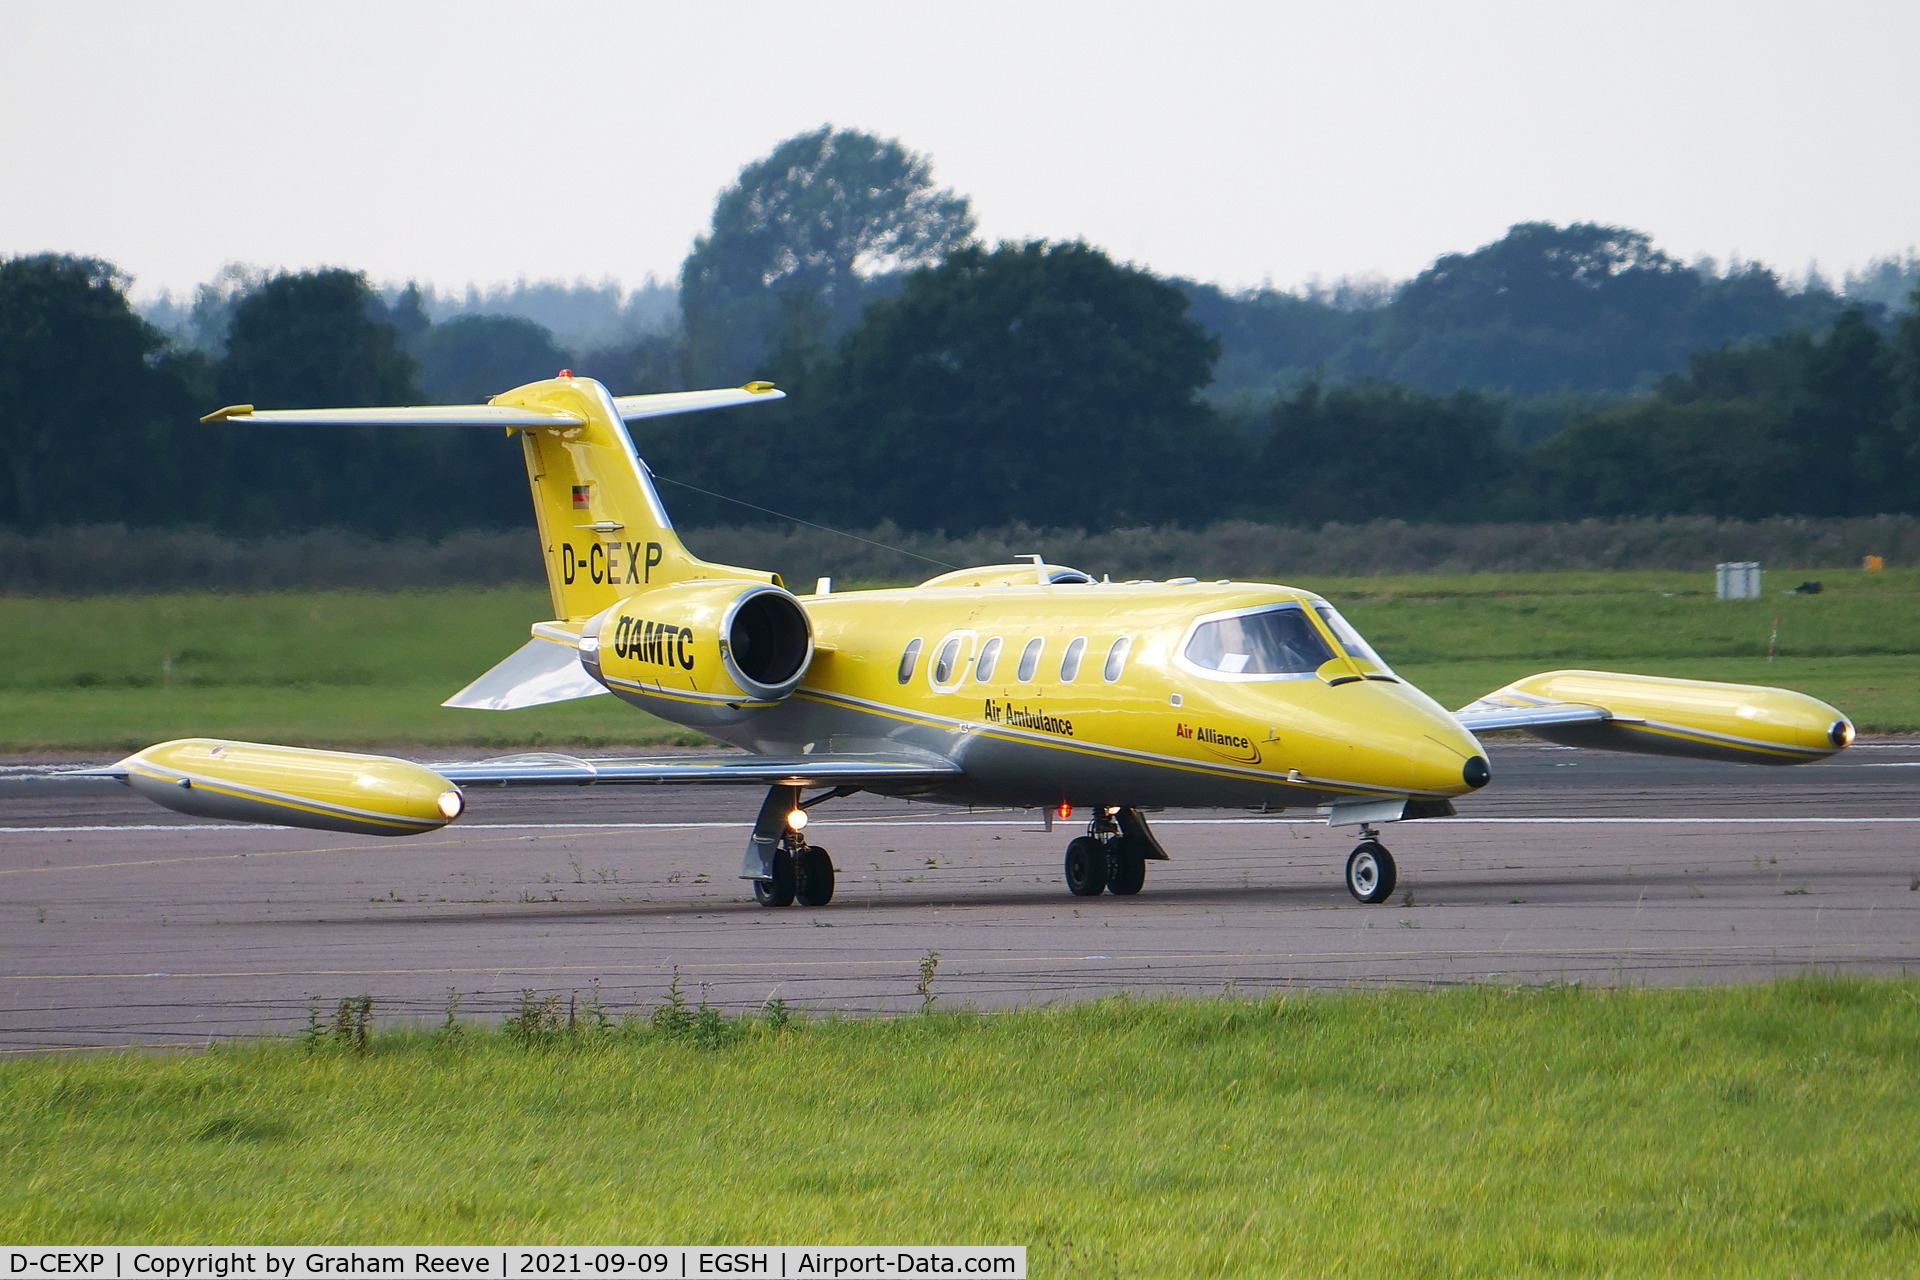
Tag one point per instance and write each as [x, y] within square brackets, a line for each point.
[1027, 685]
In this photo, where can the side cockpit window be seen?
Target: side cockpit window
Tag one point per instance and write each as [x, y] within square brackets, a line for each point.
[1280, 641]
[909, 659]
[1349, 639]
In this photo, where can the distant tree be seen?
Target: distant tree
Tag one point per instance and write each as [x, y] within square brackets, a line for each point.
[1037, 382]
[468, 358]
[409, 318]
[1797, 425]
[1371, 451]
[315, 338]
[96, 426]
[322, 339]
[1579, 308]
[795, 239]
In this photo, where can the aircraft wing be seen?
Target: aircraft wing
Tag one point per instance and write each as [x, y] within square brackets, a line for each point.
[1511, 711]
[824, 770]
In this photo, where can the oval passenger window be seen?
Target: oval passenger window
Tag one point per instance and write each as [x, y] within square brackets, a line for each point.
[989, 657]
[1117, 659]
[943, 664]
[1070, 660]
[1030, 659]
[909, 659]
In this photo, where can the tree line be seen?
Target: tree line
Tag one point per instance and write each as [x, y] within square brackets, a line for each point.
[939, 383]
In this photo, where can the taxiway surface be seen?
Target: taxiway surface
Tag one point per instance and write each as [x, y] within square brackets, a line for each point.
[123, 924]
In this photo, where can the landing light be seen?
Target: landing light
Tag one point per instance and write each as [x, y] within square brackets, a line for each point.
[451, 803]
[1841, 734]
[797, 820]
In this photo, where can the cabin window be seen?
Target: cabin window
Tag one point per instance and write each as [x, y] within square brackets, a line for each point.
[1116, 659]
[1349, 639]
[909, 659]
[989, 658]
[943, 663]
[1030, 659]
[1070, 660]
[1279, 641]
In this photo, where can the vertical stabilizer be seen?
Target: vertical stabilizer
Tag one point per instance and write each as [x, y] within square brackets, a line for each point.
[604, 533]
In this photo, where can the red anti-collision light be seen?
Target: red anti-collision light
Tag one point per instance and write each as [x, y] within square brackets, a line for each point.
[1065, 810]
[564, 373]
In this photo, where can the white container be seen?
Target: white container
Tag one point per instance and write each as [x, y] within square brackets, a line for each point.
[1738, 580]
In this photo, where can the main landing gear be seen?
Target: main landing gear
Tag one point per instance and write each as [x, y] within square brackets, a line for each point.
[1113, 855]
[1370, 869]
[784, 868]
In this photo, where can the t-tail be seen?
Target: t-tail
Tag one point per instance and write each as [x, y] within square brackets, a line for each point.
[635, 612]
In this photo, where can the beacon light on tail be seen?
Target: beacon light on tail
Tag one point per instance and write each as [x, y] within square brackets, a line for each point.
[292, 786]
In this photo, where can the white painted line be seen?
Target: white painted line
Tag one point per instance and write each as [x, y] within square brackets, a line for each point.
[1029, 825]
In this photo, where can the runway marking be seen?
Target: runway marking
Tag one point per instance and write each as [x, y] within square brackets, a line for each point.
[1799, 820]
[962, 964]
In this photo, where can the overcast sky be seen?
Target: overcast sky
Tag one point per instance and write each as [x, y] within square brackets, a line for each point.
[1240, 143]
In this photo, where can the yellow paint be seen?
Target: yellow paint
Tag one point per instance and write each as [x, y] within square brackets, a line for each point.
[584, 475]
[303, 787]
[1367, 733]
[1754, 718]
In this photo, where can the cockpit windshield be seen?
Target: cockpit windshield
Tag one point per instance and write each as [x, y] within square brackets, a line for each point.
[1268, 642]
[1349, 639]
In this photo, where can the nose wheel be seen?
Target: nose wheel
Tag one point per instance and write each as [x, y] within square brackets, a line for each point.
[1370, 871]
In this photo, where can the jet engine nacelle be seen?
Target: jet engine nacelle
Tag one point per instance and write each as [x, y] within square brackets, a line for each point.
[711, 652]
[294, 787]
[1702, 719]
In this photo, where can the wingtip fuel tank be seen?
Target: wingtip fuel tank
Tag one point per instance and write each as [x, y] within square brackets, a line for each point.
[294, 786]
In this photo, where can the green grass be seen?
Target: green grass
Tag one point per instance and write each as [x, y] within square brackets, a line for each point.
[1768, 1130]
[370, 668]
[351, 668]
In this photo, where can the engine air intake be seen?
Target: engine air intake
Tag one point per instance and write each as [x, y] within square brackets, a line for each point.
[768, 638]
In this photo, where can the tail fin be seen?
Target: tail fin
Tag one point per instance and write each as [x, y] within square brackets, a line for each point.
[603, 529]
[604, 532]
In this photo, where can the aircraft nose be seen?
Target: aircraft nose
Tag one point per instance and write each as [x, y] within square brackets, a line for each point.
[1406, 739]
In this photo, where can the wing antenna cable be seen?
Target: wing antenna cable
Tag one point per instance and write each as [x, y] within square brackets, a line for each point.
[781, 515]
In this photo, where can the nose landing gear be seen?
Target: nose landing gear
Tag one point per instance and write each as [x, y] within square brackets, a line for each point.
[1370, 870]
[1113, 855]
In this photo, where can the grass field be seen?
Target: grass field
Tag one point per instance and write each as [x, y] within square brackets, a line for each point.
[367, 668]
[1730, 1131]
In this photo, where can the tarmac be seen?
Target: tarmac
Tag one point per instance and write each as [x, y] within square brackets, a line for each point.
[124, 925]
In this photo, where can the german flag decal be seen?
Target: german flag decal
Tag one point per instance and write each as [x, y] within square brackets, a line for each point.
[582, 496]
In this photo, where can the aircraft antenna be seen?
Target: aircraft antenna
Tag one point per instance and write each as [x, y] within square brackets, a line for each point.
[781, 515]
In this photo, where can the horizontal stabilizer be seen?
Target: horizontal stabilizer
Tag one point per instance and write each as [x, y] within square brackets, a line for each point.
[432, 415]
[538, 672]
[630, 408]
[634, 408]
[825, 770]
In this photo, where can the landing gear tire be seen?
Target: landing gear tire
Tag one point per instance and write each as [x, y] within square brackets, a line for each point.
[1370, 872]
[777, 892]
[812, 877]
[1086, 867]
[1126, 871]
